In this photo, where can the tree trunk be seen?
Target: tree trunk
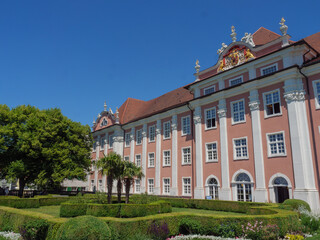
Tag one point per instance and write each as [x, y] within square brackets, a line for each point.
[109, 184]
[22, 184]
[119, 188]
[128, 184]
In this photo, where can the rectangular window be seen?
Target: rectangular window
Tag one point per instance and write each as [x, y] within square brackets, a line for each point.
[316, 89]
[111, 141]
[166, 186]
[151, 160]
[185, 125]
[210, 115]
[186, 155]
[138, 160]
[272, 103]
[209, 90]
[102, 140]
[152, 133]
[150, 185]
[139, 137]
[166, 158]
[126, 158]
[186, 182]
[276, 145]
[240, 150]
[212, 154]
[235, 81]
[238, 112]
[269, 69]
[137, 186]
[127, 139]
[166, 130]
[94, 147]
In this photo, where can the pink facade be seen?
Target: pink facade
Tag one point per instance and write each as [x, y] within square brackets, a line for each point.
[253, 136]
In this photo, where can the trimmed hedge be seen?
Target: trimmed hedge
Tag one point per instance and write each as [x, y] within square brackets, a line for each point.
[50, 201]
[294, 204]
[72, 209]
[215, 205]
[19, 202]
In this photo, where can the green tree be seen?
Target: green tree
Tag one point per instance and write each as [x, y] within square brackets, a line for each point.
[110, 165]
[130, 172]
[42, 147]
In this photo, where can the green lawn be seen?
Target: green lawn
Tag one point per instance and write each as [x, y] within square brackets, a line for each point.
[50, 210]
[55, 211]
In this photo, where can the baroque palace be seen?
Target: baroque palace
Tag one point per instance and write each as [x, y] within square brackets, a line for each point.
[247, 128]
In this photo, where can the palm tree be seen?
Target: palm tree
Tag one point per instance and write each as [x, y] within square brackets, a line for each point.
[109, 165]
[119, 174]
[129, 173]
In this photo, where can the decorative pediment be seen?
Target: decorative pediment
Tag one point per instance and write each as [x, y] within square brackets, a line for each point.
[105, 118]
[235, 56]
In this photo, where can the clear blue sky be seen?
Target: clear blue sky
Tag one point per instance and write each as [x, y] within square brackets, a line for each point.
[76, 54]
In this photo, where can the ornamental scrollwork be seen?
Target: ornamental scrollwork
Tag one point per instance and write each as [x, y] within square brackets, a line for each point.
[254, 105]
[196, 119]
[222, 112]
[174, 126]
[294, 96]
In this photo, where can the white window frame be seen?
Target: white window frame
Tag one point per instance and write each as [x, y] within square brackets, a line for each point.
[232, 111]
[154, 133]
[164, 158]
[235, 152]
[139, 135]
[166, 130]
[149, 165]
[215, 118]
[207, 88]
[126, 157]
[207, 155]
[265, 103]
[135, 185]
[149, 192]
[236, 78]
[111, 141]
[269, 66]
[127, 139]
[166, 185]
[316, 93]
[135, 160]
[182, 154]
[269, 148]
[183, 185]
[182, 126]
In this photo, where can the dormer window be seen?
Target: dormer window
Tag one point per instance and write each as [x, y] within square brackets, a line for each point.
[104, 122]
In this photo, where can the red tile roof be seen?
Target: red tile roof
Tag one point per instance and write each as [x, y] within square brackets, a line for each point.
[314, 41]
[263, 36]
[134, 109]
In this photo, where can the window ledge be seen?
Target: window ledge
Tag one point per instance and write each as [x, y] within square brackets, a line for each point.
[273, 115]
[208, 129]
[276, 156]
[183, 164]
[236, 123]
[239, 159]
[212, 161]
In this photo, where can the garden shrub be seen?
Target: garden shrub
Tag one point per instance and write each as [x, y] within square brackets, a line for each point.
[104, 210]
[165, 207]
[294, 204]
[84, 228]
[19, 202]
[73, 209]
[143, 198]
[50, 201]
[158, 230]
[138, 210]
[310, 220]
[34, 230]
[190, 226]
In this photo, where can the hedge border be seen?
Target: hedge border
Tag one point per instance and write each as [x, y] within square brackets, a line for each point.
[31, 202]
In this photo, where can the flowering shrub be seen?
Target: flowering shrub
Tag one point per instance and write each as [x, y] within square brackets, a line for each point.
[199, 237]
[260, 231]
[10, 236]
[310, 220]
[34, 230]
[294, 237]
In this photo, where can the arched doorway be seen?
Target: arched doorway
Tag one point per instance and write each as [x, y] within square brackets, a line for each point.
[281, 190]
[244, 188]
[213, 188]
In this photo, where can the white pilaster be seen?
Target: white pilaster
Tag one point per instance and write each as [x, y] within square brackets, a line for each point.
[252, 73]
[300, 143]
[96, 171]
[106, 137]
[118, 142]
[199, 190]
[261, 194]
[221, 84]
[174, 177]
[144, 157]
[132, 143]
[157, 189]
[225, 189]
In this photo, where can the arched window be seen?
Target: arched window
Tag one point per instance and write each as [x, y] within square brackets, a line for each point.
[213, 188]
[104, 122]
[244, 191]
[280, 181]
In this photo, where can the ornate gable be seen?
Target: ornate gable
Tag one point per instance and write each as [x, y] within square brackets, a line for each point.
[105, 119]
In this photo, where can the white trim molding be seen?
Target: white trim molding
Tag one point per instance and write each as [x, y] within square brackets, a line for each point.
[216, 149]
[241, 149]
[270, 155]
